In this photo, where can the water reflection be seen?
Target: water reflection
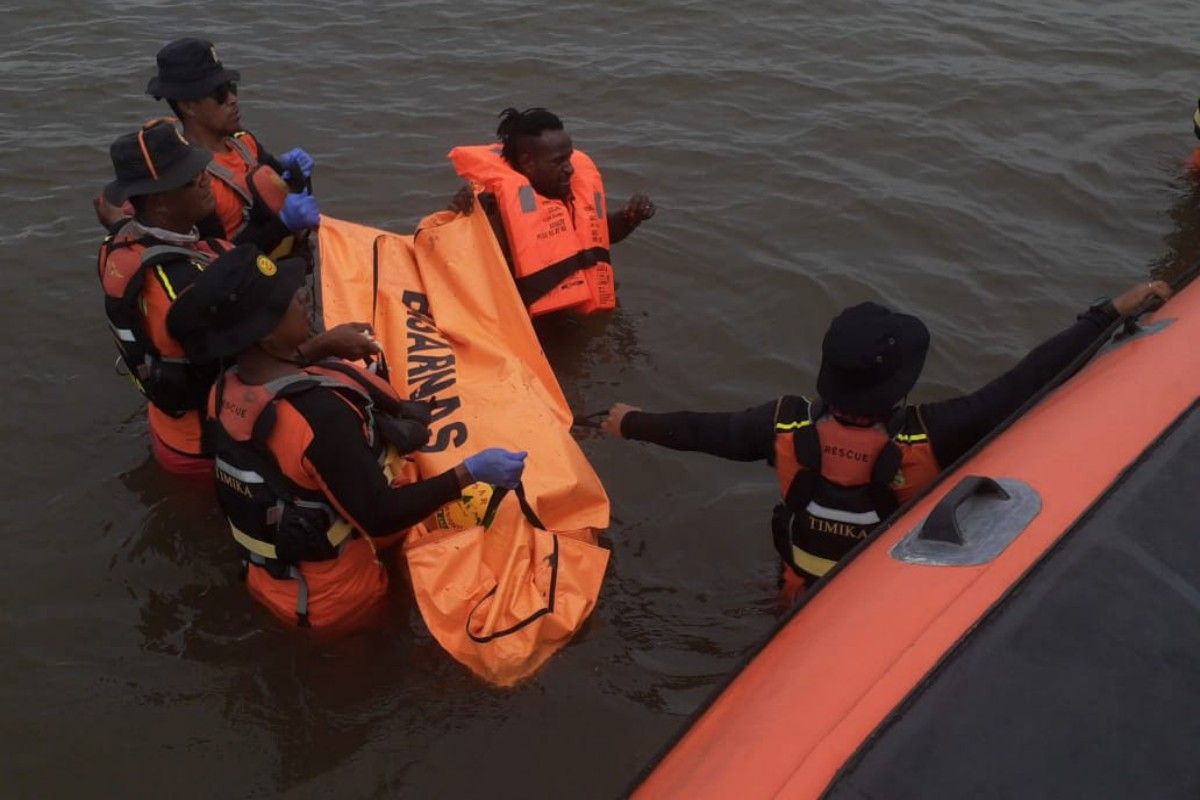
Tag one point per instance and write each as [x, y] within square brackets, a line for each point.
[1183, 242]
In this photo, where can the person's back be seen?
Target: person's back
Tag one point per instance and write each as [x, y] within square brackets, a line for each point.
[848, 459]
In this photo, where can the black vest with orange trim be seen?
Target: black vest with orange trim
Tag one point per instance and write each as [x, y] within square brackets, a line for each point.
[127, 258]
[838, 481]
[559, 252]
[245, 187]
[277, 521]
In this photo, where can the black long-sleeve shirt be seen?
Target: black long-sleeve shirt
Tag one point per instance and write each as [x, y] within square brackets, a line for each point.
[340, 461]
[954, 426]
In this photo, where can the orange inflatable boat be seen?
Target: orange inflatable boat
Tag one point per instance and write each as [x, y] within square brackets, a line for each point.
[1030, 627]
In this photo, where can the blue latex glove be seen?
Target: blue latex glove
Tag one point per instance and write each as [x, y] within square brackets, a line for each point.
[497, 467]
[296, 158]
[300, 212]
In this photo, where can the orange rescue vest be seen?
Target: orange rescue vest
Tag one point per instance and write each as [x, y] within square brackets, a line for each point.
[275, 514]
[839, 481]
[156, 363]
[243, 185]
[559, 252]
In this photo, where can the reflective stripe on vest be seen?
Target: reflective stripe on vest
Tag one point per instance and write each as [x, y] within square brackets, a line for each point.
[338, 532]
[848, 461]
[239, 422]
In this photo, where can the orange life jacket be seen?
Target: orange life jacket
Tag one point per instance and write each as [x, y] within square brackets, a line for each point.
[277, 514]
[243, 185]
[155, 362]
[839, 481]
[559, 252]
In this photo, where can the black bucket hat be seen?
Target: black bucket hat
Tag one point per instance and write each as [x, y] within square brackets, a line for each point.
[155, 158]
[871, 358]
[238, 299]
[188, 69]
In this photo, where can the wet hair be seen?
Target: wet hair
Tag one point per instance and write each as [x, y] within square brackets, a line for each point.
[174, 105]
[517, 125]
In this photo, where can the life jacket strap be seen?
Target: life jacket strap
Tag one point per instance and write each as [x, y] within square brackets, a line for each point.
[337, 535]
[292, 573]
[534, 287]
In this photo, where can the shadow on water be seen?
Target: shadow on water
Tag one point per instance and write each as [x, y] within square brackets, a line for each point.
[588, 351]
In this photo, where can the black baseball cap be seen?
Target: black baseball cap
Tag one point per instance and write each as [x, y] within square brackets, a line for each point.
[871, 358]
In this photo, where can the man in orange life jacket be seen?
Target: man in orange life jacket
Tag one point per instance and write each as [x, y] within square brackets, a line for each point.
[250, 186]
[304, 452]
[146, 264]
[546, 203]
[846, 460]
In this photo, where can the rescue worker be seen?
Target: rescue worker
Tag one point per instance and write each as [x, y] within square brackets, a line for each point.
[546, 203]
[250, 187]
[145, 265]
[848, 458]
[304, 449]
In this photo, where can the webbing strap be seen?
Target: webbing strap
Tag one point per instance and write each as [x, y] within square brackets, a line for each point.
[226, 176]
[293, 573]
[337, 534]
[534, 287]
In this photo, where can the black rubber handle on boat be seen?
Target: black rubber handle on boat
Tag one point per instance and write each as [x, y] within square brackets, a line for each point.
[942, 523]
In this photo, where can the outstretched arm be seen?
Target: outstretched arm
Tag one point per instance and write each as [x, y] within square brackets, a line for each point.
[740, 435]
[955, 425]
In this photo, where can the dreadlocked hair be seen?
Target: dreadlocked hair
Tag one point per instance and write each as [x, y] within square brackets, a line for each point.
[516, 125]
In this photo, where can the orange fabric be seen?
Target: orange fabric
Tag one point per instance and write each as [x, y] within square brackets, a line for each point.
[847, 452]
[842, 465]
[178, 463]
[455, 332]
[918, 469]
[341, 592]
[181, 435]
[117, 266]
[344, 590]
[871, 634]
[498, 586]
[551, 232]
[230, 203]
[269, 187]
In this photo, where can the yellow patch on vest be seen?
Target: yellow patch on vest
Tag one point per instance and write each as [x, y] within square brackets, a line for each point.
[266, 266]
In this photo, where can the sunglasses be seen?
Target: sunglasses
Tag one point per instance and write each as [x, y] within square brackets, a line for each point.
[222, 92]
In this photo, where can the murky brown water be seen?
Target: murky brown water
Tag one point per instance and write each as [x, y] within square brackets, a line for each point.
[992, 169]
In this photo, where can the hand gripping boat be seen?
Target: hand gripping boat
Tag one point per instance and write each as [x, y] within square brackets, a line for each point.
[1028, 628]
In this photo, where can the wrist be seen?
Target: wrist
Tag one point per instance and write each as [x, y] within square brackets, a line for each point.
[623, 424]
[304, 355]
[1101, 311]
[463, 476]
